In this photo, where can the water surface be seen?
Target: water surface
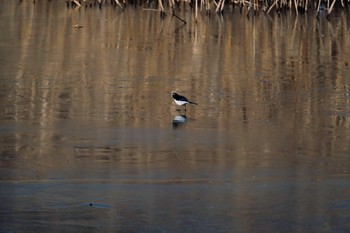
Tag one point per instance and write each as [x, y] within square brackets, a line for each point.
[90, 140]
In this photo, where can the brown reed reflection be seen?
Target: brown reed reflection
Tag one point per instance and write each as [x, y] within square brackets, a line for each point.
[120, 67]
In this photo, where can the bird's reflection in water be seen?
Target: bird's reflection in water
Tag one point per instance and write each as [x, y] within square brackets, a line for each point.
[179, 120]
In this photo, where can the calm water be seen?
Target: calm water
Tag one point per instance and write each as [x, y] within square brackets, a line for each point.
[90, 139]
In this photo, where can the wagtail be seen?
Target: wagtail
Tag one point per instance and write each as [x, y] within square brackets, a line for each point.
[181, 100]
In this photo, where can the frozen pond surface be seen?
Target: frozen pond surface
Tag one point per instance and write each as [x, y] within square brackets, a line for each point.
[90, 139]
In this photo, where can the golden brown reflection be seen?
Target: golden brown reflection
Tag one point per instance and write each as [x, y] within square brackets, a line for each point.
[120, 68]
[93, 103]
[291, 72]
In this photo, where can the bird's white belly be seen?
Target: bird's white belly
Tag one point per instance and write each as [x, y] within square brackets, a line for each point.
[179, 102]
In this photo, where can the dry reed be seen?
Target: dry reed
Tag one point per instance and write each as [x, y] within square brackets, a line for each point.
[268, 6]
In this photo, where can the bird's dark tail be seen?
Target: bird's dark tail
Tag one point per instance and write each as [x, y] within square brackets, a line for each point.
[192, 103]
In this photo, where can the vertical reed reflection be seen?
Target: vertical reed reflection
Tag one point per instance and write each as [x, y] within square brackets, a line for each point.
[121, 66]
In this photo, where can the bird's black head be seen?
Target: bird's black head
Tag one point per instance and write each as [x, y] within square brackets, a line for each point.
[174, 95]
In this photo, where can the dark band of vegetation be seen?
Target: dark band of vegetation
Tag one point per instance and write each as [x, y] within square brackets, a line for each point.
[217, 6]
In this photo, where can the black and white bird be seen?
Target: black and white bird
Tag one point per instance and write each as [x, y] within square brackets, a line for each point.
[181, 100]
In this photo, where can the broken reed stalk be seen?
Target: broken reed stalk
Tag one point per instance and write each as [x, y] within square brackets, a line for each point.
[220, 6]
[77, 3]
[306, 4]
[160, 4]
[118, 3]
[182, 20]
[296, 6]
[331, 7]
[318, 6]
[275, 3]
